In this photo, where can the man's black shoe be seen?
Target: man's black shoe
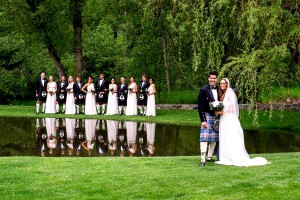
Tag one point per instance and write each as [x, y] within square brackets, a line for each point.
[202, 164]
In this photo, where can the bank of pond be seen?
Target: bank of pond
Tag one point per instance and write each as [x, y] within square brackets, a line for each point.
[68, 137]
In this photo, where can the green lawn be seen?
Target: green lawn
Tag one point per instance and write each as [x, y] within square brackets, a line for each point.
[147, 178]
[278, 120]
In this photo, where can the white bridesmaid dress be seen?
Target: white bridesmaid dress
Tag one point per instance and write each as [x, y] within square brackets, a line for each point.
[112, 132]
[151, 110]
[112, 103]
[50, 101]
[150, 130]
[131, 130]
[90, 103]
[70, 102]
[131, 109]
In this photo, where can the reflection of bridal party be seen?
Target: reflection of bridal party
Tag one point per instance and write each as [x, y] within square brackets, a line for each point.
[61, 137]
[102, 97]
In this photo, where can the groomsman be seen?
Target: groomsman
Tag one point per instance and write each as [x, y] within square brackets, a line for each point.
[62, 94]
[122, 95]
[142, 101]
[41, 92]
[78, 94]
[101, 93]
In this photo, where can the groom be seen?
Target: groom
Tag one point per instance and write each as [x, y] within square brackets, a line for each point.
[208, 137]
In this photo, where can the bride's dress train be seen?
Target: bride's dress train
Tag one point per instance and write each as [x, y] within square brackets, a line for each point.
[232, 149]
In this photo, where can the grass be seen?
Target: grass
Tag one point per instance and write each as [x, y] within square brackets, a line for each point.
[280, 94]
[276, 120]
[147, 178]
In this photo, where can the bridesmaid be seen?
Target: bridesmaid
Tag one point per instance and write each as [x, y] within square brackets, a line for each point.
[70, 102]
[131, 98]
[112, 105]
[151, 111]
[90, 103]
[51, 97]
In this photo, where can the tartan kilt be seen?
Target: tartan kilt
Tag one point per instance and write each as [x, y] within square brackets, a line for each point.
[208, 134]
[40, 97]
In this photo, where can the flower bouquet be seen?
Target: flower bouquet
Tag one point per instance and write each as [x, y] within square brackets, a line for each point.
[111, 89]
[216, 106]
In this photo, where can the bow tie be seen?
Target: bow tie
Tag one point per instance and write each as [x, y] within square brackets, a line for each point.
[213, 87]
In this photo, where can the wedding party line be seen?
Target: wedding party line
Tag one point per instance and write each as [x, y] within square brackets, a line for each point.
[102, 97]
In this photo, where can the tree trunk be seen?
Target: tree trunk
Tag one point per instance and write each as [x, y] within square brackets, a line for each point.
[47, 40]
[77, 26]
[166, 59]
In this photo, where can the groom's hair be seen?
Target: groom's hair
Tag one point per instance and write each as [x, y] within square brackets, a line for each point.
[214, 72]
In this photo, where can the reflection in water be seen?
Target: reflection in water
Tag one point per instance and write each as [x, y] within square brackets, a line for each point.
[73, 137]
[110, 137]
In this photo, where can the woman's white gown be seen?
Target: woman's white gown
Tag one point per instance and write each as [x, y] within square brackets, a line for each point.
[131, 131]
[50, 101]
[151, 110]
[131, 102]
[90, 103]
[70, 102]
[232, 149]
[150, 129]
[112, 103]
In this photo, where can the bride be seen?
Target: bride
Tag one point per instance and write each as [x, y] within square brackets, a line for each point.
[231, 136]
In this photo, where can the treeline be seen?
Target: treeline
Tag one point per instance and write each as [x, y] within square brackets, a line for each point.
[255, 43]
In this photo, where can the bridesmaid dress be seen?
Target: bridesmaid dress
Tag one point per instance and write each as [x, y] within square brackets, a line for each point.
[151, 111]
[90, 103]
[112, 103]
[131, 101]
[50, 101]
[70, 102]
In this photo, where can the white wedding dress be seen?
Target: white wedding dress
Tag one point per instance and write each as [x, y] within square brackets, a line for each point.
[112, 132]
[112, 103]
[131, 101]
[151, 111]
[70, 102]
[50, 101]
[70, 130]
[90, 132]
[232, 149]
[90, 103]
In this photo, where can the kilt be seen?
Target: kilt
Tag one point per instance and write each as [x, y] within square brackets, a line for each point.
[208, 134]
[79, 101]
[61, 98]
[144, 101]
[102, 100]
[40, 97]
[124, 102]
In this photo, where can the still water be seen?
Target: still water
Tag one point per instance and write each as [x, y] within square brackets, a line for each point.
[78, 137]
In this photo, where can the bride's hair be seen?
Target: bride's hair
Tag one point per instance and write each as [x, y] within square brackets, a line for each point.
[221, 92]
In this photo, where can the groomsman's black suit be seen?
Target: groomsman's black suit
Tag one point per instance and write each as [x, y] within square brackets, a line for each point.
[62, 93]
[142, 93]
[204, 98]
[103, 87]
[41, 89]
[78, 94]
[122, 90]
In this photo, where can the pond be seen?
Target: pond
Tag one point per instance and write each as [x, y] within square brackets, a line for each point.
[90, 137]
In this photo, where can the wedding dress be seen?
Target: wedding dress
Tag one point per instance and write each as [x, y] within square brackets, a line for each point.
[70, 102]
[232, 149]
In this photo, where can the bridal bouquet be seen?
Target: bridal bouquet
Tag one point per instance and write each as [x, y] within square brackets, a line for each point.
[216, 106]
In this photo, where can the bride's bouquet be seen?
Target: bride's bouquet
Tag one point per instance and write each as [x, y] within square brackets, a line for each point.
[216, 106]
[69, 88]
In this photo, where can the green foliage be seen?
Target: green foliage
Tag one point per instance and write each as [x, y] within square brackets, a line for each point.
[254, 43]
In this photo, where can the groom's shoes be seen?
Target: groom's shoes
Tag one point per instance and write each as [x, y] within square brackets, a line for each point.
[202, 164]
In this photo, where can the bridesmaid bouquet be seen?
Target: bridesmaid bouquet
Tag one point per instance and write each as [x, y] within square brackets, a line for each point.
[51, 91]
[130, 89]
[68, 88]
[111, 89]
[216, 106]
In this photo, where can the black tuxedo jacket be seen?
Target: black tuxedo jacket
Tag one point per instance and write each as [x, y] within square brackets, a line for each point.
[103, 86]
[77, 89]
[123, 90]
[39, 86]
[60, 88]
[142, 88]
[204, 98]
